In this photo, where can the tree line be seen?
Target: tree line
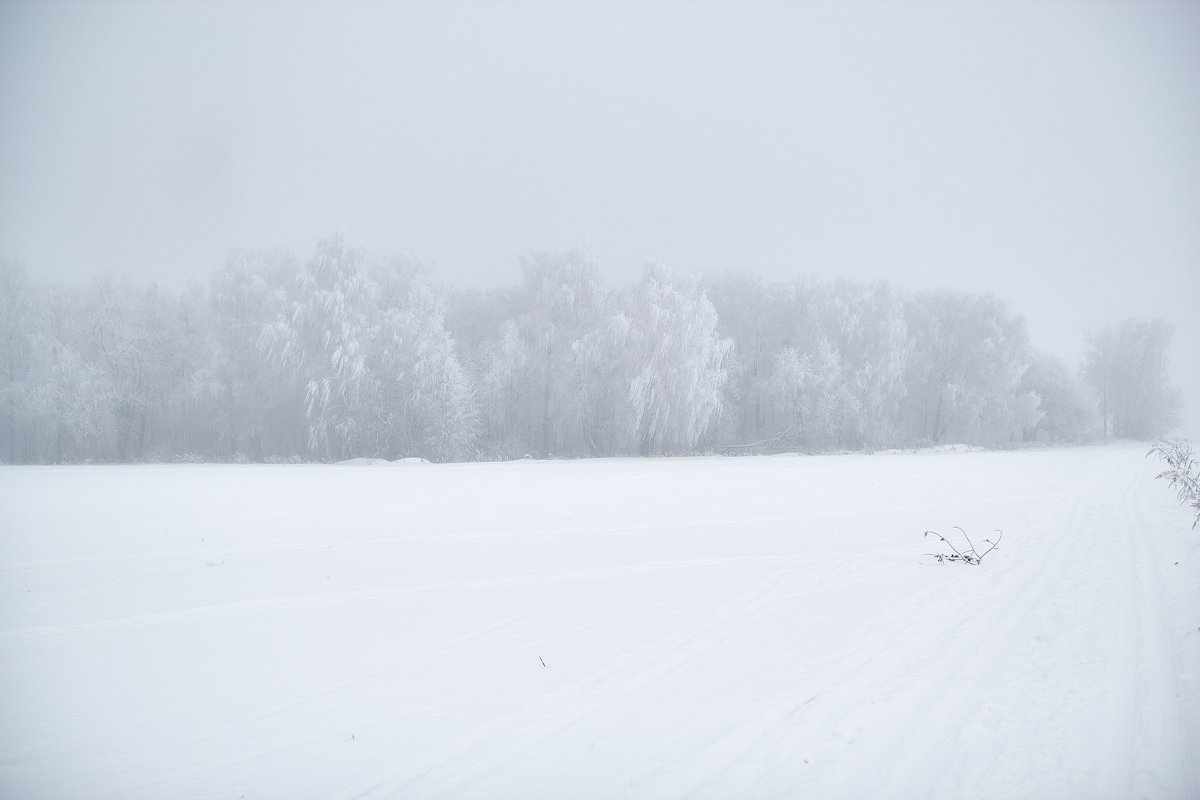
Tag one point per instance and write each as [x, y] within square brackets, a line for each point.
[351, 355]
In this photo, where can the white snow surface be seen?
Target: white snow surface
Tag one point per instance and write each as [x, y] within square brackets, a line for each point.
[710, 628]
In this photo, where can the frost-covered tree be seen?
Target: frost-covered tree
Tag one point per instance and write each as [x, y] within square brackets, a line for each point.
[811, 396]
[1101, 369]
[867, 328]
[532, 391]
[175, 344]
[426, 400]
[249, 412]
[17, 304]
[475, 318]
[109, 335]
[1127, 367]
[679, 359]
[760, 319]
[138, 340]
[46, 388]
[318, 343]
[787, 334]
[606, 374]
[351, 355]
[69, 411]
[505, 396]
[367, 345]
[1068, 415]
[65, 404]
[965, 370]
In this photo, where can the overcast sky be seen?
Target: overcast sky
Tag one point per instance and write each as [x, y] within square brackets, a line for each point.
[1049, 152]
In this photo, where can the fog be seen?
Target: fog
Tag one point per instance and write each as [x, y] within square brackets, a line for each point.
[1045, 152]
[438, 368]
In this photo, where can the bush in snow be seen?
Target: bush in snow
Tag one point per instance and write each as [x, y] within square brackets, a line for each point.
[1182, 473]
[968, 555]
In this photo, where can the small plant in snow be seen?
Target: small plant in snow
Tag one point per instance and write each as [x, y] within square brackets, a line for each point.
[968, 555]
[1182, 473]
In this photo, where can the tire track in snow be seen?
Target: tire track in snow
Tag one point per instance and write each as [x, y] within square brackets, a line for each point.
[979, 660]
[838, 725]
[733, 757]
[261, 605]
[1105, 599]
[556, 531]
[147, 777]
[1115, 778]
[474, 759]
[462, 767]
[1161, 764]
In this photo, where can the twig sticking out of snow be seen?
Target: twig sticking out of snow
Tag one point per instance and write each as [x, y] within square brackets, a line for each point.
[968, 555]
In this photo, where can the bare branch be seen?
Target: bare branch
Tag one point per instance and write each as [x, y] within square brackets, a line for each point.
[968, 556]
[968, 538]
[993, 544]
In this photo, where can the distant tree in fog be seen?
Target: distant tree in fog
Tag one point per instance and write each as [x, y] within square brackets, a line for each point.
[758, 318]
[318, 342]
[1127, 368]
[678, 359]
[95, 373]
[531, 388]
[865, 324]
[965, 370]
[810, 396]
[606, 373]
[16, 310]
[349, 354]
[815, 365]
[427, 398]
[247, 410]
[1068, 413]
[366, 344]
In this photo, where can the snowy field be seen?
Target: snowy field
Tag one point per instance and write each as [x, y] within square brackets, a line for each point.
[710, 628]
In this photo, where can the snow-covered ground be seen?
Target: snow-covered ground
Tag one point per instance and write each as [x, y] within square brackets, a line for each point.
[710, 628]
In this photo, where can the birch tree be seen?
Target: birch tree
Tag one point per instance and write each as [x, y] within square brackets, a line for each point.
[676, 390]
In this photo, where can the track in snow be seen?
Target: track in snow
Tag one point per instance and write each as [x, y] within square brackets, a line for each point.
[755, 627]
